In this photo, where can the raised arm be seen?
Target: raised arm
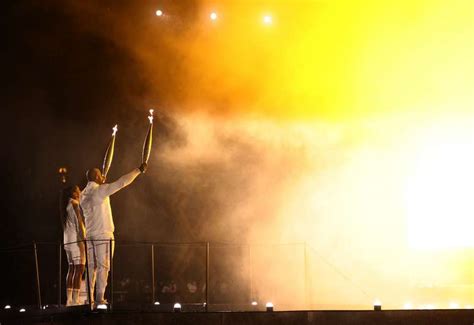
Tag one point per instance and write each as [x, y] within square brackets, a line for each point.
[127, 179]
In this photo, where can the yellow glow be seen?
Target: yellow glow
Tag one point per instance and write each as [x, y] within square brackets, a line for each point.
[267, 19]
[336, 59]
[340, 81]
[440, 189]
[213, 16]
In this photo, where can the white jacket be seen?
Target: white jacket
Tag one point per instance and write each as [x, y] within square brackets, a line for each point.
[95, 203]
[72, 231]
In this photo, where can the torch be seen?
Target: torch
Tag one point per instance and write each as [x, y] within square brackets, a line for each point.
[109, 153]
[62, 174]
[148, 140]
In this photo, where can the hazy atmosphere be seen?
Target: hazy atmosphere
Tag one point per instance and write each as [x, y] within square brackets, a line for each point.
[345, 125]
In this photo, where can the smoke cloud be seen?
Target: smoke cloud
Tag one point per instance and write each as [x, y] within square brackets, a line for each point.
[307, 131]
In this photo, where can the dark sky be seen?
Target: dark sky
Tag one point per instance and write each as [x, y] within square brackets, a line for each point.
[63, 87]
[71, 71]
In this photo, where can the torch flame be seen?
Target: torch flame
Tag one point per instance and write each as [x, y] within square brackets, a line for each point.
[151, 116]
[115, 129]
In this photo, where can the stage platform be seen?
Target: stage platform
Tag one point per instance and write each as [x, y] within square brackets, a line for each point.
[392, 317]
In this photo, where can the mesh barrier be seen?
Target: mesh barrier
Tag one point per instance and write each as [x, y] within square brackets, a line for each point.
[180, 272]
[48, 269]
[132, 277]
[222, 275]
[18, 287]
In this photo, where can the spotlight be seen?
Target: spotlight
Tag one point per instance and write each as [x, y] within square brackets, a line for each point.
[159, 13]
[213, 15]
[453, 305]
[22, 310]
[267, 20]
[7, 307]
[269, 306]
[157, 303]
[177, 307]
[254, 303]
[102, 307]
[377, 305]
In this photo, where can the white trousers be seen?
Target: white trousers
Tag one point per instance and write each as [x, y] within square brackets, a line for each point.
[98, 259]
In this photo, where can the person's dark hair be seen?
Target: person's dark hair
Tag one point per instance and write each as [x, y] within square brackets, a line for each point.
[66, 194]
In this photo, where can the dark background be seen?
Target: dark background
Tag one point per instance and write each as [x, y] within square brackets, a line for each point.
[64, 84]
[63, 88]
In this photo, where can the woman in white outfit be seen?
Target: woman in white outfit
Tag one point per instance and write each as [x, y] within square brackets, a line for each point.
[74, 234]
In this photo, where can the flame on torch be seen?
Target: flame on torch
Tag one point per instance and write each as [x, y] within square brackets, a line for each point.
[148, 140]
[109, 153]
[150, 117]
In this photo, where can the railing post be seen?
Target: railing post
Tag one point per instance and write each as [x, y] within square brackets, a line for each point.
[152, 273]
[207, 276]
[111, 273]
[38, 286]
[89, 297]
[60, 265]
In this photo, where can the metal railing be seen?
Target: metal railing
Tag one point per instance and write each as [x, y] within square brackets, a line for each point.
[154, 247]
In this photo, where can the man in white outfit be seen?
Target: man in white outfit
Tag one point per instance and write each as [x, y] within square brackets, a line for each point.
[95, 203]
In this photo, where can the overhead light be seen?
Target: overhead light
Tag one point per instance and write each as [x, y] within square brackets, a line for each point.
[157, 303]
[254, 303]
[177, 307]
[408, 305]
[213, 15]
[22, 310]
[159, 13]
[7, 307]
[269, 306]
